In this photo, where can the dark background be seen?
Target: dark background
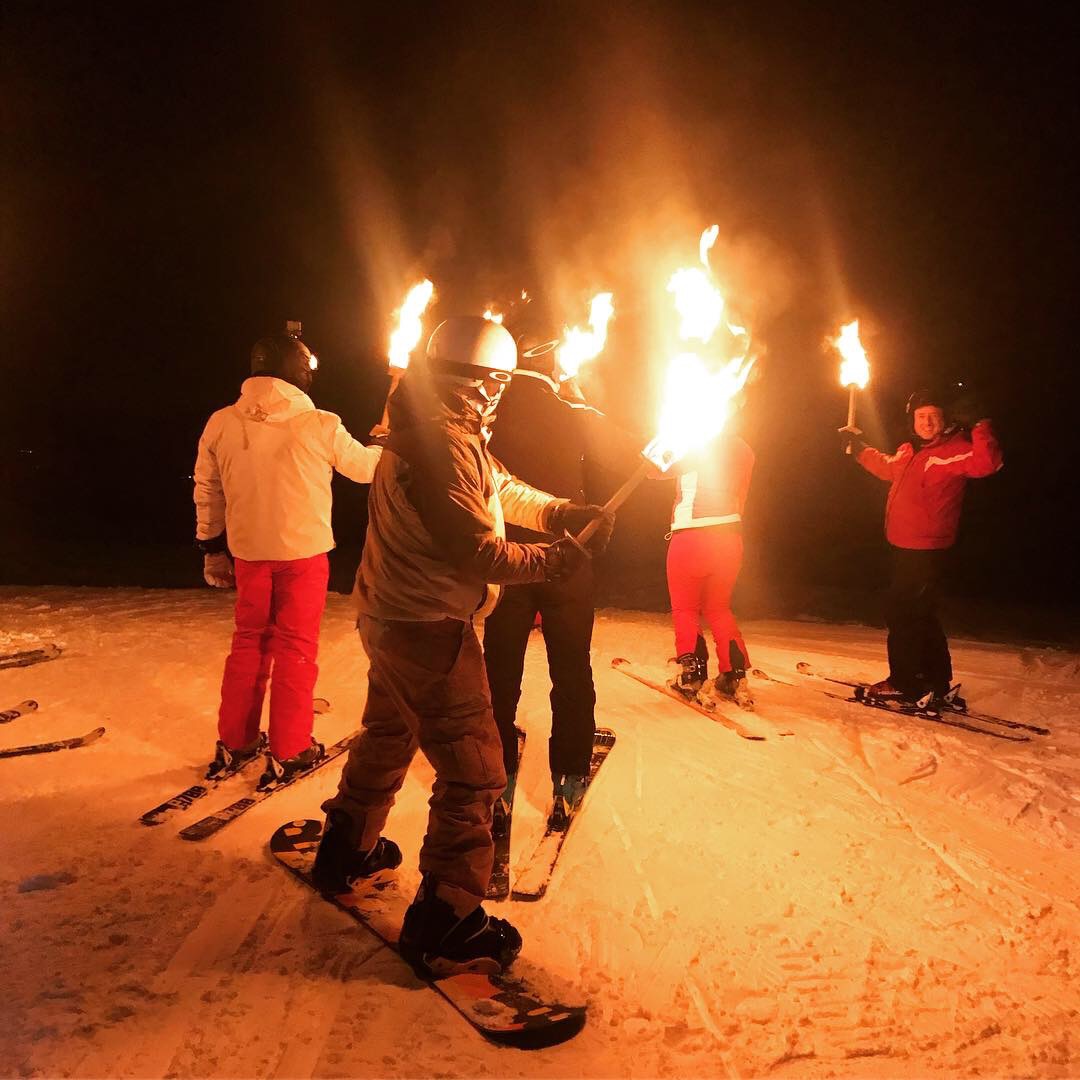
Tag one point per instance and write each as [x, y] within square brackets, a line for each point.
[181, 178]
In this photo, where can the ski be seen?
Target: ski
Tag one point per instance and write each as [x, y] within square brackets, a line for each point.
[499, 1007]
[207, 826]
[860, 689]
[627, 668]
[26, 657]
[52, 747]
[185, 799]
[502, 819]
[532, 882]
[21, 709]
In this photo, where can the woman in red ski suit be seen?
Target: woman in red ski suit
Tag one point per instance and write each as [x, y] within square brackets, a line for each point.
[704, 559]
[927, 478]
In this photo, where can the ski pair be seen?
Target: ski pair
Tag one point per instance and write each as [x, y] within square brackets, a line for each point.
[926, 704]
[499, 1007]
[215, 822]
[21, 709]
[184, 800]
[26, 657]
[627, 668]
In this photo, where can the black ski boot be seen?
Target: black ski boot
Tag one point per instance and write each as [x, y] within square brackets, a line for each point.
[226, 761]
[568, 789]
[691, 678]
[734, 686]
[437, 942]
[338, 863]
[281, 772]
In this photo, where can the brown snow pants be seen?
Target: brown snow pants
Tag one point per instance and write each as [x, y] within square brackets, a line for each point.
[427, 689]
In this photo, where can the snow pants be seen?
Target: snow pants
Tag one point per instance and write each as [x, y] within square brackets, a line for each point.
[566, 609]
[427, 690]
[919, 657]
[702, 568]
[279, 605]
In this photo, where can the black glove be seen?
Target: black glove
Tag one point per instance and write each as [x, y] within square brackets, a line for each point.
[851, 442]
[563, 559]
[571, 517]
[967, 410]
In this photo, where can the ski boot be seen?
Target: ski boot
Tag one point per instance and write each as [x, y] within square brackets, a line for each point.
[226, 761]
[691, 677]
[950, 699]
[884, 690]
[338, 863]
[733, 686]
[568, 789]
[282, 772]
[438, 941]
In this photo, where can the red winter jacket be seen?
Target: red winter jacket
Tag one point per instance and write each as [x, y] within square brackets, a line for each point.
[923, 508]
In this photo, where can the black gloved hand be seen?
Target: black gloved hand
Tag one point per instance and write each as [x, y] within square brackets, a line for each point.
[851, 441]
[571, 517]
[967, 410]
[563, 559]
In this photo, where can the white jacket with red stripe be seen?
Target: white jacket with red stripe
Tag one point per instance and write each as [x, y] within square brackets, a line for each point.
[713, 484]
[264, 469]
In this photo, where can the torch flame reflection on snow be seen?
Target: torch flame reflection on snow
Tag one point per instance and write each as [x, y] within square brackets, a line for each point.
[406, 335]
[493, 316]
[579, 346]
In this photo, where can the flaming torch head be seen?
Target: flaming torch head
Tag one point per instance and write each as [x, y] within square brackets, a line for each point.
[854, 366]
[578, 345]
[407, 333]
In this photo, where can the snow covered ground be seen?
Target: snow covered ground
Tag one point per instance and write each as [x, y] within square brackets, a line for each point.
[867, 896]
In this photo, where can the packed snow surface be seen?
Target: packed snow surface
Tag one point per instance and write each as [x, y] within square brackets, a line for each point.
[869, 895]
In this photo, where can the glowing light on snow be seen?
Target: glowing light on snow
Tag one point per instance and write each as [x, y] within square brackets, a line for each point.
[580, 346]
[406, 334]
[493, 316]
[854, 365]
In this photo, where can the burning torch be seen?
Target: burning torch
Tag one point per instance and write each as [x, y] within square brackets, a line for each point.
[854, 369]
[697, 401]
[403, 340]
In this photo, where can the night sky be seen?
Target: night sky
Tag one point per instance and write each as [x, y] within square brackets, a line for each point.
[179, 179]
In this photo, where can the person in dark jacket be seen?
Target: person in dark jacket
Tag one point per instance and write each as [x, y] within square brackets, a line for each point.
[549, 442]
[927, 477]
[434, 557]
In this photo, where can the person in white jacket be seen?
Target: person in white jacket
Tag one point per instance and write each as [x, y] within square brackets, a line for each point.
[262, 492]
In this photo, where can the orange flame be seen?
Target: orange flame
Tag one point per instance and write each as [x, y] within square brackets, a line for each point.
[406, 335]
[578, 345]
[854, 365]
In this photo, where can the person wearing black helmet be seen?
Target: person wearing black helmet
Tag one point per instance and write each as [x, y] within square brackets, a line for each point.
[927, 476]
[262, 492]
[434, 559]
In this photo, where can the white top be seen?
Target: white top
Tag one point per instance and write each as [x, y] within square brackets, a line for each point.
[264, 468]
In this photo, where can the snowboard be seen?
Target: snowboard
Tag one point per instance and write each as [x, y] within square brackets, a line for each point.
[533, 879]
[499, 1007]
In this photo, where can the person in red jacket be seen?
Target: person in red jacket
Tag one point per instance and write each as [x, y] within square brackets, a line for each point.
[927, 478]
[703, 563]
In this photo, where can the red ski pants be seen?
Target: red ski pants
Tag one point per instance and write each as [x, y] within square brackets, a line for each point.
[702, 567]
[279, 606]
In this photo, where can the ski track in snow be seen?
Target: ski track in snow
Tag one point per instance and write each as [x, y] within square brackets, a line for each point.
[869, 896]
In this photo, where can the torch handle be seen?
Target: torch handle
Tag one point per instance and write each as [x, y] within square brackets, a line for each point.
[616, 500]
[850, 414]
[383, 425]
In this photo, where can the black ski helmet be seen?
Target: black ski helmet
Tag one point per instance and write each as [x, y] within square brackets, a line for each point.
[276, 354]
[538, 353]
[921, 398]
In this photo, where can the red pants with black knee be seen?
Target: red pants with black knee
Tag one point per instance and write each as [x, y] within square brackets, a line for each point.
[279, 605]
[702, 568]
